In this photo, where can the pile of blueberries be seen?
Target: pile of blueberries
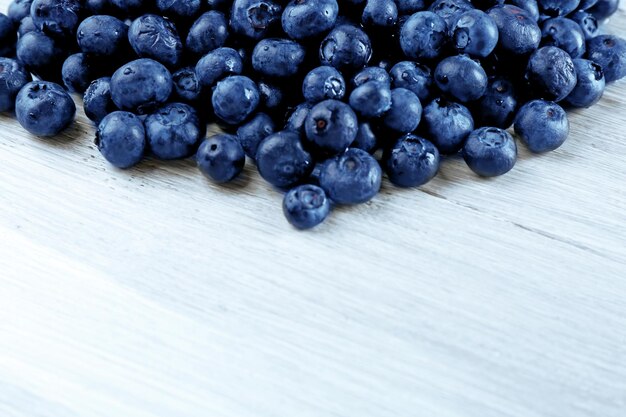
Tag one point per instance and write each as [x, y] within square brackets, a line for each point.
[323, 95]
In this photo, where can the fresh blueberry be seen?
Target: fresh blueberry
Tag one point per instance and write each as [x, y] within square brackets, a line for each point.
[221, 158]
[209, 32]
[141, 86]
[462, 78]
[423, 35]
[331, 126]
[234, 99]
[450, 9]
[542, 125]
[519, 33]
[152, 36]
[44, 108]
[173, 131]
[254, 18]
[26, 25]
[121, 139]
[251, 134]
[218, 64]
[18, 10]
[405, 113]
[407, 7]
[297, 118]
[278, 57]
[498, 106]
[103, 36]
[272, 96]
[555, 8]
[13, 76]
[383, 13]
[97, 101]
[304, 19]
[447, 125]
[8, 36]
[346, 47]
[412, 76]
[282, 161]
[566, 34]
[365, 138]
[371, 99]
[475, 33]
[551, 73]
[323, 83]
[78, 72]
[187, 87]
[609, 52]
[352, 177]
[306, 206]
[41, 55]
[590, 85]
[370, 74]
[604, 9]
[179, 9]
[58, 18]
[412, 161]
[587, 22]
[490, 152]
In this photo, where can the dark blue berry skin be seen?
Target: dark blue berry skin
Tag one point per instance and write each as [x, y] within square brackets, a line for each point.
[218, 64]
[103, 36]
[141, 86]
[97, 101]
[412, 161]
[412, 76]
[306, 206]
[352, 177]
[462, 78]
[305, 19]
[382, 13]
[129, 8]
[542, 125]
[98, 7]
[449, 9]
[272, 96]
[252, 133]
[26, 25]
[41, 55]
[365, 138]
[18, 10]
[282, 161]
[490, 152]
[370, 74]
[447, 125]
[474, 33]
[331, 126]
[278, 57]
[179, 10]
[551, 73]
[152, 36]
[423, 36]
[58, 18]
[13, 76]
[297, 118]
[323, 83]
[346, 47]
[566, 34]
[498, 106]
[410, 6]
[254, 18]
[208, 32]
[221, 158]
[609, 52]
[77, 73]
[173, 131]
[589, 86]
[187, 87]
[530, 6]
[121, 139]
[519, 33]
[586, 4]
[604, 9]
[405, 113]
[587, 22]
[44, 108]
[8, 36]
[234, 99]
[371, 99]
[556, 8]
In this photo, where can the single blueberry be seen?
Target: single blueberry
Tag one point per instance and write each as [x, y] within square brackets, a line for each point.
[97, 101]
[447, 125]
[405, 113]
[26, 25]
[41, 55]
[551, 73]
[304, 19]
[278, 57]
[121, 139]
[490, 152]
[254, 18]
[566, 34]
[103, 36]
[221, 158]
[218, 64]
[346, 47]
[423, 35]
[44, 108]
[382, 13]
[589, 86]
[174, 131]
[412, 76]
[542, 125]
[58, 18]
[474, 33]
[234, 99]
[519, 33]
[412, 161]
[18, 10]
[152, 36]
[498, 106]
[282, 161]
[306, 206]
[13, 76]
[141, 86]
[208, 32]
[331, 126]
[252, 133]
[323, 83]
[371, 99]
[587, 22]
[462, 78]
[609, 52]
[78, 72]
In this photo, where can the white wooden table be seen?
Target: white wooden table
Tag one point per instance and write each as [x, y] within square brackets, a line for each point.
[155, 293]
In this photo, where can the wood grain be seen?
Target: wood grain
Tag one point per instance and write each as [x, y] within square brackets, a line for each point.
[153, 293]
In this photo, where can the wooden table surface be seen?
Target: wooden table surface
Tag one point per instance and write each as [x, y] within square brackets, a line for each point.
[153, 293]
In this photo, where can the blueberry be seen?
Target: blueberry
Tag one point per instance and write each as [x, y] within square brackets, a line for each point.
[97, 101]
[370, 74]
[542, 125]
[371, 99]
[297, 118]
[78, 72]
[365, 138]
[447, 125]
[490, 152]
[323, 83]
[272, 96]
[405, 113]
[278, 57]
[530, 6]
[475, 33]
[558, 7]
[26, 25]
[58, 18]
[306, 206]
[44, 108]
[450, 9]
[254, 18]
[331, 126]
[589, 86]
[179, 9]
[152, 36]
[587, 22]
[406, 7]
[104, 36]
[218, 64]
[8, 36]
[352, 177]
[423, 35]
[566, 34]
[551, 73]
[304, 19]
[412, 161]
[41, 55]
[18, 10]
[412, 76]
[282, 161]
[234, 99]
[208, 32]
[604, 9]
[383, 13]
[141, 86]
[251, 134]
[609, 52]
[221, 158]
[346, 47]
[187, 87]
[461, 77]
[98, 7]
[519, 33]
[13, 76]
[121, 139]
[173, 131]
[586, 4]
[498, 106]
